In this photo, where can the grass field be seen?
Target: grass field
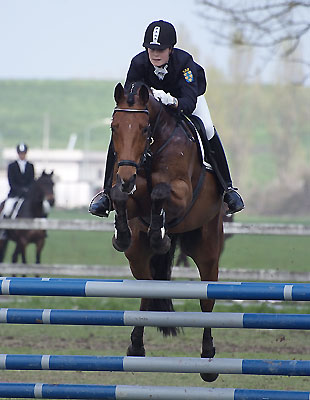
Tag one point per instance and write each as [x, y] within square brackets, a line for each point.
[92, 340]
[286, 253]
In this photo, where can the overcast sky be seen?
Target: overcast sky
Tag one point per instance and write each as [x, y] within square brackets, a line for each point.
[87, 38]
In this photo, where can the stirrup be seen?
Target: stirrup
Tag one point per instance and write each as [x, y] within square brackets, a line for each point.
[104, 211]
[233, 206]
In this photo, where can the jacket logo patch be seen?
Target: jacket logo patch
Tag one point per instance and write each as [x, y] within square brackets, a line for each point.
[188, 75]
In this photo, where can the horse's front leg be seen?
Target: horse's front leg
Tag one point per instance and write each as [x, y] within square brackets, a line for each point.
[19, 249]
[3, 246]
[122, 236]
[159, 241]
[39, 246]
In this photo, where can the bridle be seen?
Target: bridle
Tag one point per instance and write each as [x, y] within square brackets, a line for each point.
[149, 139]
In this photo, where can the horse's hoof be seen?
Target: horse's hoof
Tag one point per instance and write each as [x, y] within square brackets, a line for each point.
[209, 377]
[160, 246]
[212, 376]
[121, 245]
[136, 351]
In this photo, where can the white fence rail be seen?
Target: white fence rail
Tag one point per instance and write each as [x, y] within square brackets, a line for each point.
[7, 269]
[101, 225]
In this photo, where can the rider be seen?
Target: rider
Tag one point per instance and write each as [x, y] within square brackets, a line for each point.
[20, 177]
[178, 82]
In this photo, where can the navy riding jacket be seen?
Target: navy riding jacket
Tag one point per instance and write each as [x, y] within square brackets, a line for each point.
[19, 182]
[185, 79]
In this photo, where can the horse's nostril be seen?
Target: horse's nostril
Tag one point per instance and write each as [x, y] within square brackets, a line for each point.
[128, 185]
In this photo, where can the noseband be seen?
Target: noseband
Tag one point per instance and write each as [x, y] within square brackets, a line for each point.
[149, 139]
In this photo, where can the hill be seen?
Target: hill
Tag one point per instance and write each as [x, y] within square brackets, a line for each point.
[72, 107]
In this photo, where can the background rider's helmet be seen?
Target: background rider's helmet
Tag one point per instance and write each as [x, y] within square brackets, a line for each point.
[21, 148]
[160, 35]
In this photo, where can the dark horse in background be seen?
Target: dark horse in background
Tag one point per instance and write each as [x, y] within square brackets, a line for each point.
[32, 207]
[162, 194]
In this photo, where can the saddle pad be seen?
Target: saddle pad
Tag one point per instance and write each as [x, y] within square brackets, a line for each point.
[193, 125]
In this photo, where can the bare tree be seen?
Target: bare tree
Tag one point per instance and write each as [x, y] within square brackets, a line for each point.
[277, 27]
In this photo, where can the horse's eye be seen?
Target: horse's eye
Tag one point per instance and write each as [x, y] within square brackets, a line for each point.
[145, 130]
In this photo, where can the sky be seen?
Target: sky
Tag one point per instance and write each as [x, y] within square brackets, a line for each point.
[64, 39]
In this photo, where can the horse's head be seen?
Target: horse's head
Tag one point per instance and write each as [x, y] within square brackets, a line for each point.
[130, 132]
[45, 186]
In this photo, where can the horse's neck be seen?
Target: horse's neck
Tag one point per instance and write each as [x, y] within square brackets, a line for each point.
[160, 118]
[32, 206]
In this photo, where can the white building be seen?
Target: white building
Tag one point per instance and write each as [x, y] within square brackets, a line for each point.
[78, 174]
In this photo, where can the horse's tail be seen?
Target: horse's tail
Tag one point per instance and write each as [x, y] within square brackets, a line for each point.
[161, 267]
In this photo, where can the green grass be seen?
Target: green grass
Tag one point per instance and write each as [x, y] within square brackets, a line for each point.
[95, 248]
[285, 253]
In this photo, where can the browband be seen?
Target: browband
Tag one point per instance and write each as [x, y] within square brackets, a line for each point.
[130, 110]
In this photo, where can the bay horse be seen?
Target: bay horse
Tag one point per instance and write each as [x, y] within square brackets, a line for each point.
[32, 207]
[160, 193]
[182, 257]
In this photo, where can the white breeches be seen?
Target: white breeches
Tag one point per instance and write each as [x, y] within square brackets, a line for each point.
[202, 111]
[8, 206]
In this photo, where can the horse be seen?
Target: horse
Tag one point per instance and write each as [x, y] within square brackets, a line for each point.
[32, 207]
[161, 193]
[183, 259]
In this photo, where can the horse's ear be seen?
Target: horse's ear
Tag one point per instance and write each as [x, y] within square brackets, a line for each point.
[43, 172]
[118, 92]
[52, 173]
[144, 94]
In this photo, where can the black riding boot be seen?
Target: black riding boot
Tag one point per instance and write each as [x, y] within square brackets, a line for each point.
[221, 169]
[101, 204]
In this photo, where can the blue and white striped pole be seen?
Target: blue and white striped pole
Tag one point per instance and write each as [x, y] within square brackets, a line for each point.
[121, 392]
[154, 289]
[154, 364]
[155, 318]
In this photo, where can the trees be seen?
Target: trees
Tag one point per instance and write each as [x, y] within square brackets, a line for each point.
[274, 27]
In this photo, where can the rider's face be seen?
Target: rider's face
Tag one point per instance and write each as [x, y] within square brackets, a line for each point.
[159, 57]
[22, 155]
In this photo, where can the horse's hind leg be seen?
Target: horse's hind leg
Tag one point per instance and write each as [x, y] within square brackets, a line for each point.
[139, 258]
[39, 247]
[204, 246]
[159, 241]
[208, 270]
[16, 253]
[136, 348]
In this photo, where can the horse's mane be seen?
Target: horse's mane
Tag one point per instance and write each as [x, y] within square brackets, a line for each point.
[132, 89]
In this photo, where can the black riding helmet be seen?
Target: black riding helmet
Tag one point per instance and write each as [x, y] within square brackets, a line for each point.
[160, 35]
[21, 148]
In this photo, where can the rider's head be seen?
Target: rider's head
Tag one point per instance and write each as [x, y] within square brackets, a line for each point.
[159, 39]
[21, 149]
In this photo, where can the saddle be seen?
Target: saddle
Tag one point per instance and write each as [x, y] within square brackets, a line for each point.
[197, 129]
